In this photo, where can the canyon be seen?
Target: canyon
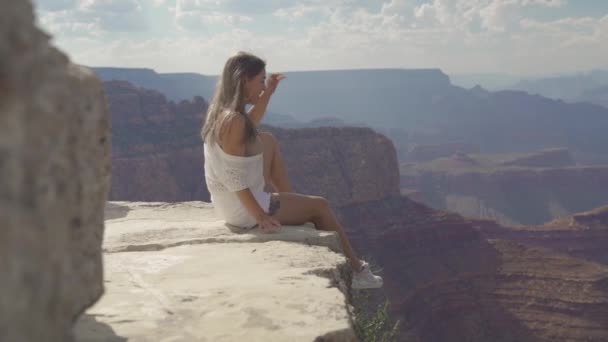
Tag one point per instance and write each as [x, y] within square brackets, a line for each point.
[525, 188]
[447, 276]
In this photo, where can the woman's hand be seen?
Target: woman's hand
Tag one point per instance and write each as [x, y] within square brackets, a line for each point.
[268, 224]
[273, 82]
[256, 112]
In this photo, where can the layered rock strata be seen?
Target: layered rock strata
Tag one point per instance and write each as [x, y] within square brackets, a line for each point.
[448, 281]
[150, 161]
[582, 235]
[158, 153]
[527, 190]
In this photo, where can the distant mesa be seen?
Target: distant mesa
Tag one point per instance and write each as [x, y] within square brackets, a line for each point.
[332, 122]
[426, 152]
[437, 265]
[480, 91]
[423, 103]
[555, 157]
[596, 218]
[511, 188]
[414, 195]
[597, 95]
[591, 86]
[464, 158]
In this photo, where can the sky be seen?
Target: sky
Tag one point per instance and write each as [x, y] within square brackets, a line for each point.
[521, 37]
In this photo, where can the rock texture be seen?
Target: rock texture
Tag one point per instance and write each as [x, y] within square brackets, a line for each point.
[582, 235]
[446, 276]
[177, 87]
[157, 153]
[531, 189]
[344, 164]
[448, 282]
[175, 272]
[425, 152]
[150, 160]
[422, 102]
[54, 179]
[569, 87]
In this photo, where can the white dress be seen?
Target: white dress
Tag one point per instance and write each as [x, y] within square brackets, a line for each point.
[225, 174]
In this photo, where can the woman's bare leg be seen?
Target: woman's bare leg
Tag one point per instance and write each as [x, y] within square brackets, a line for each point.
[275, 172]
[296, 209]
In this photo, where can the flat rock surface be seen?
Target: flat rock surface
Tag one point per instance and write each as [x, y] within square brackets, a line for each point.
[174, 272]
[141, 226]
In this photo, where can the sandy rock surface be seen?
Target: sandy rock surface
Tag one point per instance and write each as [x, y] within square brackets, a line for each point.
[174, 272]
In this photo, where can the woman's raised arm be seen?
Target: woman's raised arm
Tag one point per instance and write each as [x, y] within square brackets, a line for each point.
[256, 112]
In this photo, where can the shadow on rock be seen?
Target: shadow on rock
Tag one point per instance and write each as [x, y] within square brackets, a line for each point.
[114, 211]
[89, 329]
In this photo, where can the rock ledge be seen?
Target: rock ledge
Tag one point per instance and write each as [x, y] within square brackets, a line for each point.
[175, 272]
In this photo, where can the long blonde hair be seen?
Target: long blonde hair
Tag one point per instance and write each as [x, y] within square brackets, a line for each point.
[229, 97]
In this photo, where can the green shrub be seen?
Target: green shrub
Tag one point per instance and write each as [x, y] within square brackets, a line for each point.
[373, 324]
[371, 316]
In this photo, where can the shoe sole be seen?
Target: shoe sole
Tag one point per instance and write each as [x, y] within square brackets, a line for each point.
[368, 287]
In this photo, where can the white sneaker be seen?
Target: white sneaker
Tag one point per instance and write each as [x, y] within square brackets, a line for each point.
[365, 279]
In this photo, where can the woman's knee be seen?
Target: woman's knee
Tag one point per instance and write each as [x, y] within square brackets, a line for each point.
[321, 205]
[297, 208]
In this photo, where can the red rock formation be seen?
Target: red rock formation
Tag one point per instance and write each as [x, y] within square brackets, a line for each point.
[343, 164]
[445, 279]
[512, 195]
[414, 195]
[447, 282]
[463, 159]
[424, 152]
[159, 157]
[150, 160]
[582, 235]
[596, 218]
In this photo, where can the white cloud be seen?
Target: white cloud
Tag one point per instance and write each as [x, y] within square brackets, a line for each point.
[395, 6]
[300, 10]
[494, 15]
[455, 35]
[197, 14]
[65, 24]
[55, 5]
[116, 6]
[94, 18]
[561, 25]
[195, 5]
[158, 3]
[314, 8]
[570, 34]
[195, 20]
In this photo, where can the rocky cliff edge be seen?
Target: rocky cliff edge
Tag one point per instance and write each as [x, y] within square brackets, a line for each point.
[175, 271]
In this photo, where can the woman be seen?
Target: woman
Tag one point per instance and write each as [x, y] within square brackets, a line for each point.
[240, 161]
